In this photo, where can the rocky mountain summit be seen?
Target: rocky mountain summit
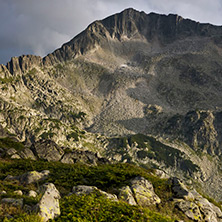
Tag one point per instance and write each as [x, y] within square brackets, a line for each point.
[135, 87]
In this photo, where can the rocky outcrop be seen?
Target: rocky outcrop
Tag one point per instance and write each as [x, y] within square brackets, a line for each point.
[79, 156]
[180, 190]
[48, 206]
[193, 205]
[140, 192]
[29, 177]
[83, 189]
[34, 176]
[22, 64]
[126, 194]
[47, 150]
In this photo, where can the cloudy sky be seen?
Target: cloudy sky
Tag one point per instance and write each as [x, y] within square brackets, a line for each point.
[40, 26]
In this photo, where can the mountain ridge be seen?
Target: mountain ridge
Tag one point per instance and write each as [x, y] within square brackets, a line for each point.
[74, 47]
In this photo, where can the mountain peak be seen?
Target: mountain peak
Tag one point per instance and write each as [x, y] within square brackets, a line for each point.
[131, 24]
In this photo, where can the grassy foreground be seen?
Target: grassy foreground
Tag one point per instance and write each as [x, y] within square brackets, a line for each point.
[93, 207]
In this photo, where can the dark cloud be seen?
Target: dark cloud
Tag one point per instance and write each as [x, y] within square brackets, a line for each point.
[40, 26]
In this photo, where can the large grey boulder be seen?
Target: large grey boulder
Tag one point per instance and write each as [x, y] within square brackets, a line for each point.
[47, 150]
[190, 209]
[34, 177]
[27, 154]
[126, 195]
[143, 192]
[48, 206]
[210, 212]
[193, 205]
[83, 189]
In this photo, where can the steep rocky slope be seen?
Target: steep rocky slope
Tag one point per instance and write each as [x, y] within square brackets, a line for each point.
[131, 73]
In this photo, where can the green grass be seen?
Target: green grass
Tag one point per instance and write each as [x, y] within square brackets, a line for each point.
[109, 177]
[8, 143]
[6, 80]
[153, 149]
[95, 207]
[73, 135]
[32, 71]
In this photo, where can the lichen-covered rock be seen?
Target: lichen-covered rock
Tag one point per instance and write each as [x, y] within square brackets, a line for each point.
[143, 192]
[27, 154]
[190, 209]
[33, 176]
[47, 150]
[83, 189]
[210, 212]
[48, 206]
[196, 208]
[126, 195]
[12, 201]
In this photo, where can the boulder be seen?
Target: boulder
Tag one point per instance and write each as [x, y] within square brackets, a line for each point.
[27, 154]
[12, 201]
[83, 189]
[15, 156]
[47, 150]
[3, 192]
[193, 205]
[11, 151]
[34, 176]
[48, 206]
[190, 209]
[143, 192]
[18, 192]
[32, 193]
[210, 212]
[126, 195]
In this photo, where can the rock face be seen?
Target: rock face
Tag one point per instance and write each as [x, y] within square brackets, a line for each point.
[48, 206]
[48, 150]
[140, 192]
